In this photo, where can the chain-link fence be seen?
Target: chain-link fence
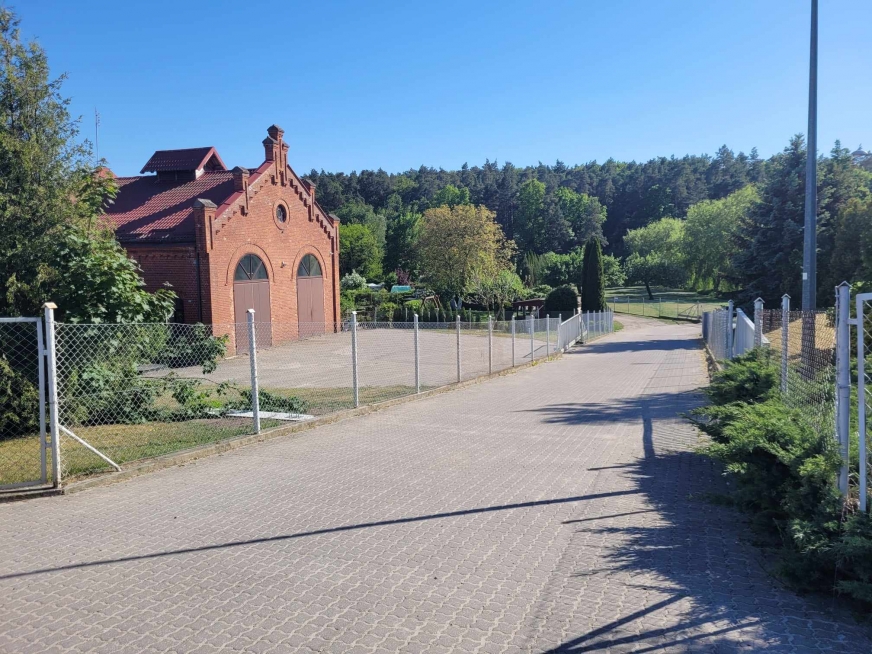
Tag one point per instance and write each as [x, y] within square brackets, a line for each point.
[803, 346]
[128, 392]
[137, 391]
[24, 457]
[716, 326]
[660, 307]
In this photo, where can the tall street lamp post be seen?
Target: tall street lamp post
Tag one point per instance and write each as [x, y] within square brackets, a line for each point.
[809, 259]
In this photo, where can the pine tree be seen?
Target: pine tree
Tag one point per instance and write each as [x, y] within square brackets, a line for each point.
[593, 288]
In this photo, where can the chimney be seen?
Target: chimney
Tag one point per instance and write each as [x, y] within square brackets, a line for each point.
[270, 145]
[240, 178]
[204, 216]
[273, 142]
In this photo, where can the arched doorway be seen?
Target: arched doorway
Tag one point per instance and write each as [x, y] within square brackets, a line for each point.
[310, 297]
[251, 291]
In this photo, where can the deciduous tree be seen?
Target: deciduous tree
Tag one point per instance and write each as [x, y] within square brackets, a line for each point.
[458, 241]
[710, 230]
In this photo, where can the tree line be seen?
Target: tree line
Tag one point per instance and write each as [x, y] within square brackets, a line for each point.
[729, 221]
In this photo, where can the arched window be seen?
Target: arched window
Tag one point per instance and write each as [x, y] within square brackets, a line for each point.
[309, 267]
[250, 268]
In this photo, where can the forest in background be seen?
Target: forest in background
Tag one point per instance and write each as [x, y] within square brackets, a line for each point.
[556, 208]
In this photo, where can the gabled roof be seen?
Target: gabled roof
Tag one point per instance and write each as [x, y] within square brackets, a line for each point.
[185, 159]
[148, 211]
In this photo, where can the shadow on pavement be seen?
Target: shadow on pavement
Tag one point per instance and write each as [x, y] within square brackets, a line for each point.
[705, 589]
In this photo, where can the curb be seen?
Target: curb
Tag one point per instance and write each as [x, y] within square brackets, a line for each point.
[186, 456]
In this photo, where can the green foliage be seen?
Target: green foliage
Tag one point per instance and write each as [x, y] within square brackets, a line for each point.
[459, 242]
[19, 402]
[403, 232]
[770, 240]
[53, 244]
[450, 196]
[710, 235]
[560, 269]
[353, 281]
[562, 298]
[613, 271]
[749, 378]
[495, 291]
[592, 282]
[359, 251]
[784, 471]
[656, 257]
[360, 213]
[386, 310]
[192, 345]
[530, 231]
[584, 214]
[268, 401]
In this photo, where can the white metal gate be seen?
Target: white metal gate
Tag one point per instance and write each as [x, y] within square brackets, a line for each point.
[25, 448]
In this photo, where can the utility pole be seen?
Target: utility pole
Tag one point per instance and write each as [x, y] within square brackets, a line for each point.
[809, 259]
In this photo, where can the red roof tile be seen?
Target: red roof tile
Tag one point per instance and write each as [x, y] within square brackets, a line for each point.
[148, 211]
[186, 159]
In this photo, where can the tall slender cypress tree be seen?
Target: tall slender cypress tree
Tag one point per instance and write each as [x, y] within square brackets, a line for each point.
[593, 288]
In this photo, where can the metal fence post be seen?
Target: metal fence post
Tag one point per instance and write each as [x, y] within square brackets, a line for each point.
[843, 378]
[458, 348]
[861, 400]
[513, 340]
[660, 308]
[559, 330]
[354, 379]
[51, 363]
[547, 335]
[417, 356]
[532, 328]
[729, 330]
[490, 345]
[758, 322]
[643, 305]
[252, 358]
[785, 341]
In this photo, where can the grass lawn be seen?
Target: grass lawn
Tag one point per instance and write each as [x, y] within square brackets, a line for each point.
[123, 443]
[618, 326]
[667, 303]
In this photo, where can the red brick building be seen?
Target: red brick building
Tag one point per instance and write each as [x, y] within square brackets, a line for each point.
[229, 240]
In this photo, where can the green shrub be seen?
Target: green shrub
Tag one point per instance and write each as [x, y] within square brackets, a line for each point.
[192, 345]
[19, 403]
[751, 377]
[386, 311]
[353, 281]
[562, 298]
[784, 470]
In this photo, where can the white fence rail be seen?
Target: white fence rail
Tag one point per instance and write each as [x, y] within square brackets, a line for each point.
[812, 354]
[116, 393]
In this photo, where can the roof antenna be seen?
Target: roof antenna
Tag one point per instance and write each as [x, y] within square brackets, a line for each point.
[97, 134]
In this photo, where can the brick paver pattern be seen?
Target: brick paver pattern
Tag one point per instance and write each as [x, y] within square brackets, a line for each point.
[560, 508]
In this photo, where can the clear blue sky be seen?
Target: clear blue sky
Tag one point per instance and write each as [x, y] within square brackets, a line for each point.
[396, 85]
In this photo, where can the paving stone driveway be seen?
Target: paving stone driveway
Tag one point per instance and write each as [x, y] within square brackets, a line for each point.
[549, 510]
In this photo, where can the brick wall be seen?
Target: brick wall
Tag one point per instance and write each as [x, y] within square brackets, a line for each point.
[173, 268]
[246, 223]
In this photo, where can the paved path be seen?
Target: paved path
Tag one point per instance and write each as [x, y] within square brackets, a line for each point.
[549, 510]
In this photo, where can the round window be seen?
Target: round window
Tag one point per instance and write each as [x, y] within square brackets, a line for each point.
[281, 214]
